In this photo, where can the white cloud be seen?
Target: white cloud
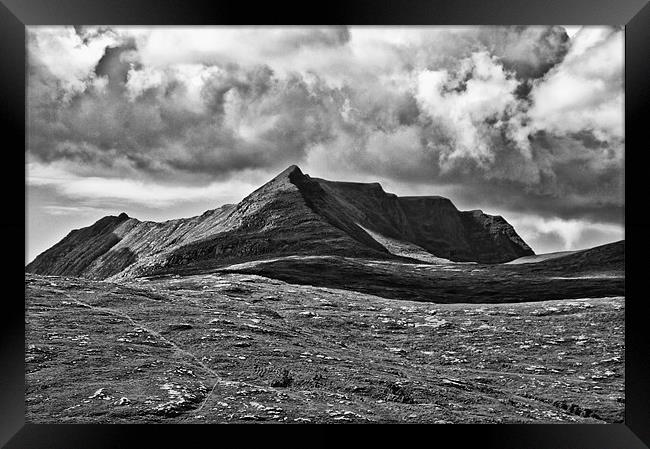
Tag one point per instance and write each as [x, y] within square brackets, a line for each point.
[139, 81]
[279, 47]
[78, 211]
[65, 56]
[488, 94]
[143, 193]
[585, 91]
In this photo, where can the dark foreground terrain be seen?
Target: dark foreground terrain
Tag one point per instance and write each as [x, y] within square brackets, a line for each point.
[238, 347]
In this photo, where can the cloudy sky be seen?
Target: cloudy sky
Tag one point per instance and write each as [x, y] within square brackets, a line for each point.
[524, 122]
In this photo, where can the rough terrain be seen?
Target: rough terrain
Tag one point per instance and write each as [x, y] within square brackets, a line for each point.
[230, 347]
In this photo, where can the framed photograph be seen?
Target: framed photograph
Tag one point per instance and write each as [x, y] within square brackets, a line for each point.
[355, 214]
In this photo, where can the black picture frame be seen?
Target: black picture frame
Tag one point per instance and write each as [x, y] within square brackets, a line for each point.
[633, 14]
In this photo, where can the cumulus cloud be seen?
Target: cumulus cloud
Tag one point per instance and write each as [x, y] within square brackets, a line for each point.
[61, 56]
[585, 91]
[467, 105]
[526, 119]
[528, 51]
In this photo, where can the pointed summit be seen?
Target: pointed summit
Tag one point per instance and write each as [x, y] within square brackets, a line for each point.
[290, 171]
[288, 178]
[281, 182]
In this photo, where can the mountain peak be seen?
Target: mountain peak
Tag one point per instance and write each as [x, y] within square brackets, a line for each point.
[290, 170]
[293, 214]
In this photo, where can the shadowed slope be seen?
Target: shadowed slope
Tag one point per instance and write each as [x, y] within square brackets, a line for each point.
[539, 257]
[441, 283]
[430, 222]
[492, 238]
[600, 259]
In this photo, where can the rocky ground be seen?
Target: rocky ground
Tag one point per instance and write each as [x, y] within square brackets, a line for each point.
[232, 347]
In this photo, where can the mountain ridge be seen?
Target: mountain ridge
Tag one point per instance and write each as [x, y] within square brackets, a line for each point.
[292, 214]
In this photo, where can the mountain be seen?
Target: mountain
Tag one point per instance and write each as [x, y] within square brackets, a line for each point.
[293, 214]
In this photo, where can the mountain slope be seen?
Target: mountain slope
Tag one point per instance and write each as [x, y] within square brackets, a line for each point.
[540, 257]
[600, 259]
[74, 255]
[430, 222]
[293, 214]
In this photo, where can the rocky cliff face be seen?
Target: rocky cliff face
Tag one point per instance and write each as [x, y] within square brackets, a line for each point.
[291, 214]
[430, 222]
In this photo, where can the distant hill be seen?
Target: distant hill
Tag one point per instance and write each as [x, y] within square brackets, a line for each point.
[603, 258]
[293, 214]
[539, 257]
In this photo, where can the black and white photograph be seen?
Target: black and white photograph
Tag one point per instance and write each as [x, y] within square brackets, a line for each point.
[325, 224]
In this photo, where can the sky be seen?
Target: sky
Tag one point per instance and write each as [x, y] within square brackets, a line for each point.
[167, 122]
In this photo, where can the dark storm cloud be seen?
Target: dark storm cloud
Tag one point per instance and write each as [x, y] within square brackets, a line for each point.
[247, 119]
[115, 65]
[464, 111]
[567, 190]
[563, 178]
[528, 51]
